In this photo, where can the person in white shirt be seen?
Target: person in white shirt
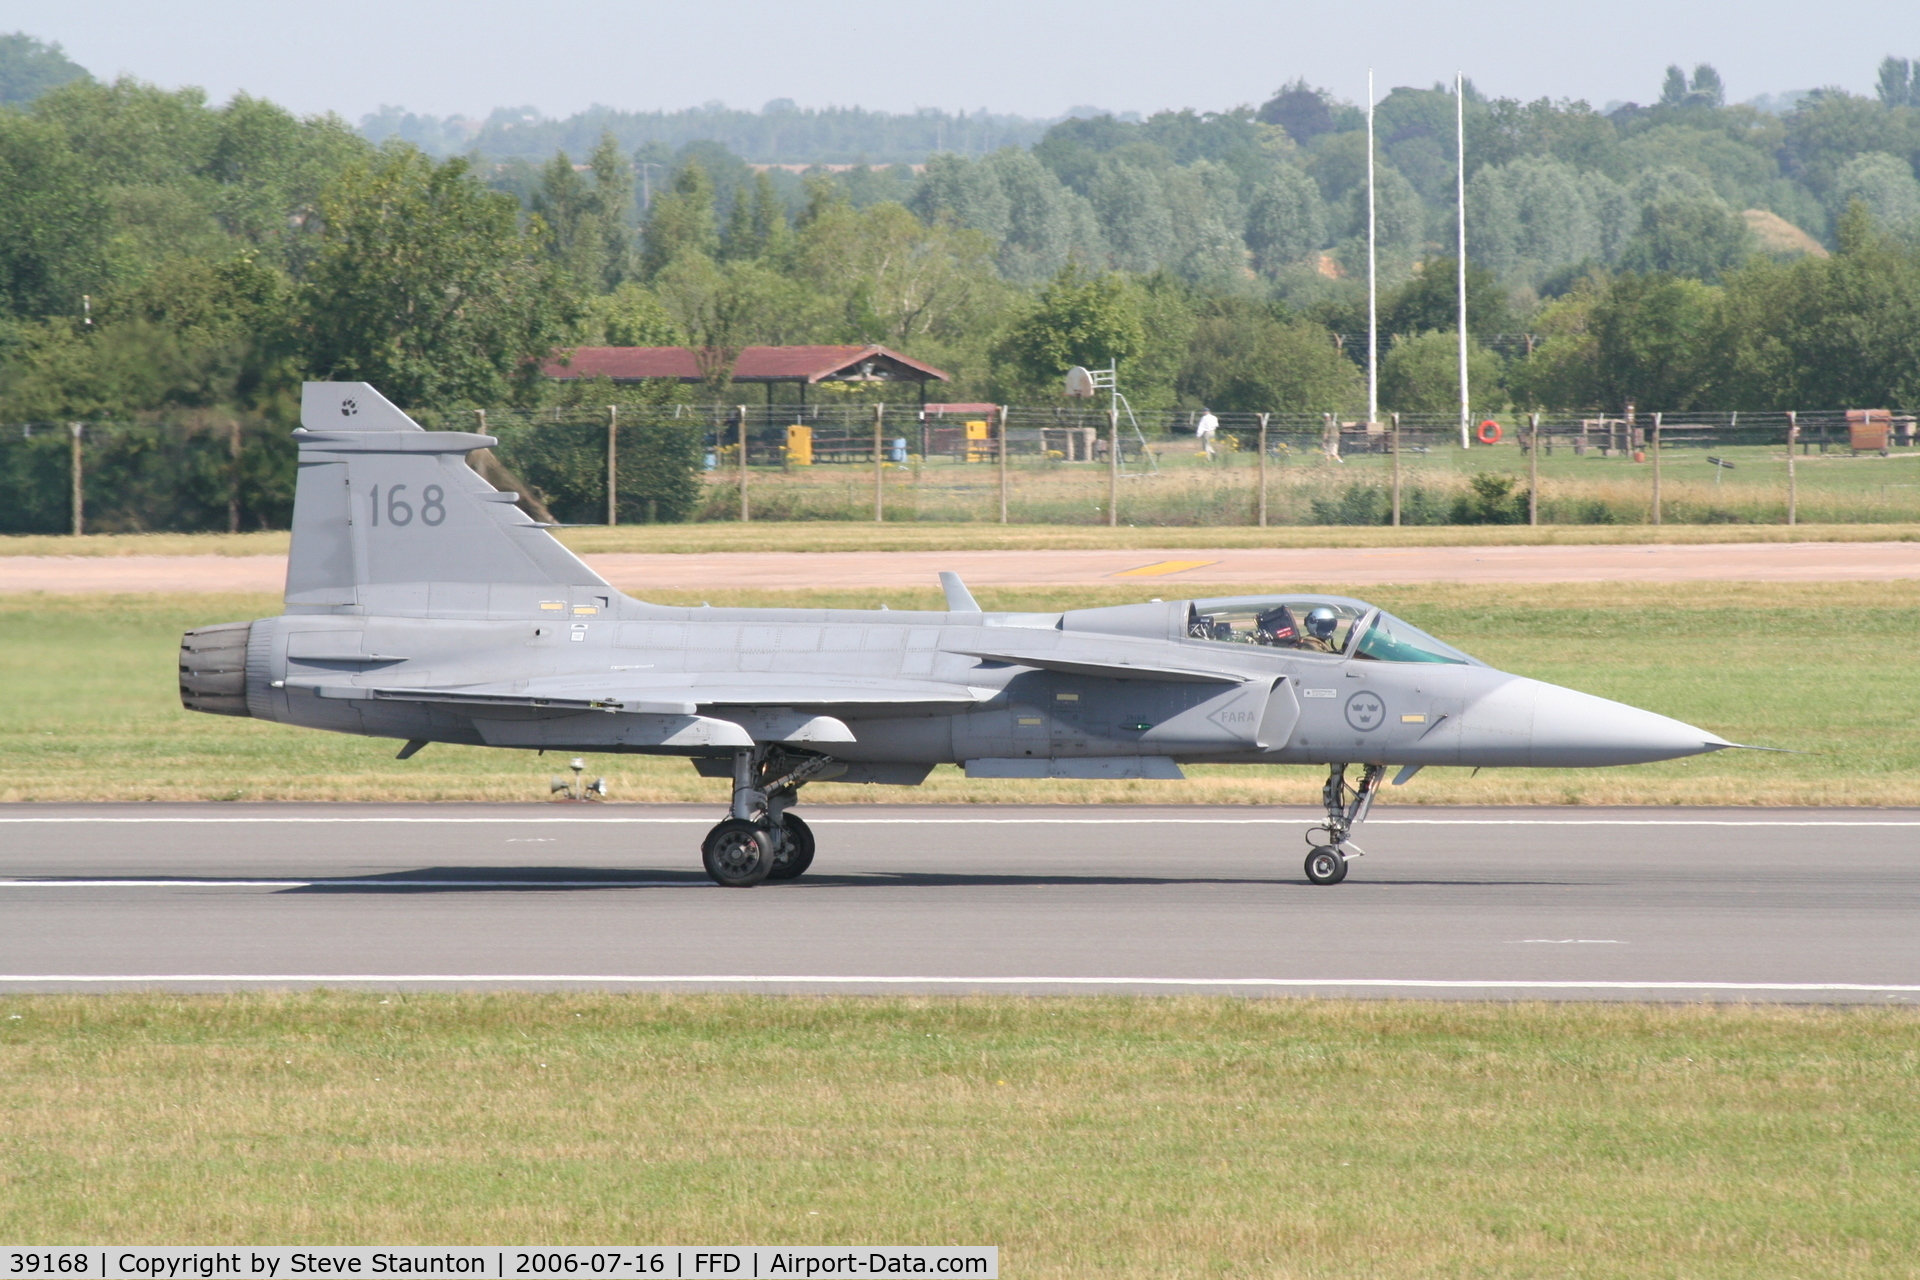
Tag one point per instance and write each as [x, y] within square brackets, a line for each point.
[1203, 430]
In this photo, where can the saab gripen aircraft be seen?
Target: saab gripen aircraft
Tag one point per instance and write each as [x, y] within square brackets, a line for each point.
[424, 605]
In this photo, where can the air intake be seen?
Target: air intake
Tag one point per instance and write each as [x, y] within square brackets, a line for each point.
[213, 669]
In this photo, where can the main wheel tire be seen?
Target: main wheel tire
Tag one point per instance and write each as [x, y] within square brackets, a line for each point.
[1325, 865]
[795, 852]
[738, 854]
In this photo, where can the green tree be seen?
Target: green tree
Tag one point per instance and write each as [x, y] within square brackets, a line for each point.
[1421, 374]
[1132, 208]
[1304, 112]
[182, 178]
[1673, 91]
[757, 227]
[890, 278]
[1286, 221]
[1895, 87]
[29, 68]
[1244, 358]
[427, 286]
[1077, 320]
[963, 192]
[1429, 301]
[681, 221]
[722, 307]
[1563, 371]
[1209, 226]
[1400, 224]
[1530, 217]
[1035, 222]
[587, 222]
[1826, 333]
[1831, 127]
[1701, 238]
[1655, 343]
[1886, 186]
[55, 217]
[1706, 89]
[630, 316]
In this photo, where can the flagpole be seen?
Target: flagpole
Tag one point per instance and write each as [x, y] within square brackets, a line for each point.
[1460, 254]
[1373, 284]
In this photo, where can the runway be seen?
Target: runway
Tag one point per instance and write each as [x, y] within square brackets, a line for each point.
[1668, 904]
[638, 574]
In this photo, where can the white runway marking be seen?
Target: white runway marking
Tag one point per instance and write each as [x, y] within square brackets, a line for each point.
[1058, 822]
[621, 979]
[354, 883]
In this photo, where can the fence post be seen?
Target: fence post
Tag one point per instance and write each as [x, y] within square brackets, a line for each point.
[879, 462]
[1533, 469]
[613, 461]
[1654, 441]
[1003, 464]
[1113, 467]
[1263, 471]
[1793, 487]
[233, 476]
[1396, 470]
[77, 480]
[745, 515]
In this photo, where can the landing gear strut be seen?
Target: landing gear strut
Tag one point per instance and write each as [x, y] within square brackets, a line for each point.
[760, 840]
[1346, 806]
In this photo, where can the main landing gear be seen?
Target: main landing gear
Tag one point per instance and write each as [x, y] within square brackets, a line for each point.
[1346, 806]
[762, 840]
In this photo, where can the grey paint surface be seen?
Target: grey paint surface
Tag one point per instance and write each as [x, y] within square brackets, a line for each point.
[425, 606]
[527, 895]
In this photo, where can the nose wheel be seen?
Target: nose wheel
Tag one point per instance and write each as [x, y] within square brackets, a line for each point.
[1346, 805]
[1326, 865]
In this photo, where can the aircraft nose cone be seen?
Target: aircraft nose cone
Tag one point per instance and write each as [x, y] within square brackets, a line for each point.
[1562, 728]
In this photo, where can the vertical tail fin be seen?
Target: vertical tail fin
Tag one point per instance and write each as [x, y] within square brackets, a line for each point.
[386, 514]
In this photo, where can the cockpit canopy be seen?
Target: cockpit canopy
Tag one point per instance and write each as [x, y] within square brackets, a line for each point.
[1317, 624]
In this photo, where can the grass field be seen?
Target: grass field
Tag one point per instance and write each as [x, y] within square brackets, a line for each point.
[92, 710]
[1163, 1137]
[1310, 489]
[828, 535]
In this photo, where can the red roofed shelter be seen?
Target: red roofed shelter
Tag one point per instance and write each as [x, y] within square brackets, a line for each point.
[802, 366]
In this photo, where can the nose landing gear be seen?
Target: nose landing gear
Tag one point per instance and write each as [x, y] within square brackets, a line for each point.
[1346, 806]
[761, 840]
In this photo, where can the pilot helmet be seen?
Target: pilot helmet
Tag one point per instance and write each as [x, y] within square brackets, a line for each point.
[1321, 622]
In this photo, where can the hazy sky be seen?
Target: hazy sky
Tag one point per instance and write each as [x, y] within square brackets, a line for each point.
[1030, 57]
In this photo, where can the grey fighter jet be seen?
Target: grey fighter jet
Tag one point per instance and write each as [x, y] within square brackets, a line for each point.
[424, 605]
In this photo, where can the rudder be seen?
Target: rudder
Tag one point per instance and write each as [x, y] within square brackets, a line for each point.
[384, 510]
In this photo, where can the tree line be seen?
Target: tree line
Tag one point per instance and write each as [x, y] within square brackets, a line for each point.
[164, 254]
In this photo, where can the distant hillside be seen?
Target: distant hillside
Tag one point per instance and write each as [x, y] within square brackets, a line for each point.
[779, 133]
[30, 67]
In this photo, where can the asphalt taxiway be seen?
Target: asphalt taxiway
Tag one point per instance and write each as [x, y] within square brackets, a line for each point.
[1669, 904]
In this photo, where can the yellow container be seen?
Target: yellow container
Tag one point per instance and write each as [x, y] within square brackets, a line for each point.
[799, 446]
[979, 443]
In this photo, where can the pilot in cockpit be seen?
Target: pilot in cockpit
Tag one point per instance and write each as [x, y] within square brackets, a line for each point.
[1279, 628]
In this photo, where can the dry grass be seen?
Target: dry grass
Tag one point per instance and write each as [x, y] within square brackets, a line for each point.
[1164, 1137]
[92, 711]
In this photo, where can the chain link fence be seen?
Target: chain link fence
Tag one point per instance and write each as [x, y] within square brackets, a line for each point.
[1072, 464]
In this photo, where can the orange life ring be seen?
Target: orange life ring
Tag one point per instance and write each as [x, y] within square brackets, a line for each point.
[1489, 432]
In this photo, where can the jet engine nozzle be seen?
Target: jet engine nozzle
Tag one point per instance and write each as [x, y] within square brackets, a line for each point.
[213, 669]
